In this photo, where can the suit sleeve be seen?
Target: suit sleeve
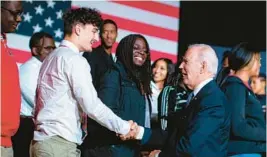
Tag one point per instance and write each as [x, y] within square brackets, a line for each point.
[154, 137]
[203, 126]
[236, 94]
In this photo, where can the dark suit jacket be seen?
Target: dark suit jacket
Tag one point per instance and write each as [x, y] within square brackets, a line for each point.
[202, 127]
[248, 127]
[99, 62]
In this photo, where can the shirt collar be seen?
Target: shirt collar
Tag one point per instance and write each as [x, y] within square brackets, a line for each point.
[66, 43]
[153, 85]
[201, 85]
[36, 61]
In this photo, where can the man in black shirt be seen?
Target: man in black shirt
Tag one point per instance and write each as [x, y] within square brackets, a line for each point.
[100, 59]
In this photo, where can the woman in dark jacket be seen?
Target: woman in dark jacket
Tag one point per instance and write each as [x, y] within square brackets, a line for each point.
[124, 89]
[248, 128]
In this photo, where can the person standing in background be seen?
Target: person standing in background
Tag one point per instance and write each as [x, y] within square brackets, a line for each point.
[162, 69]
[100, 59]
[258, 85]
[41, 45]
[11, 12]
[248, 127]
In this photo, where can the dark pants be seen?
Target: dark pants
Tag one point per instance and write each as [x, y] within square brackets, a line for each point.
[96, 152]
[22, 139]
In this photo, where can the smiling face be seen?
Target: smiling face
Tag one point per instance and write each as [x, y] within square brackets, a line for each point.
[190, 69]
[10, 16]
[160, 71]
[140, 52]
[88, 35]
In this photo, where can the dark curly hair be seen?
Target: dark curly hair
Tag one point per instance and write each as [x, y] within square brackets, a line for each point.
[140, 75]
[35, 39]
[81, 15]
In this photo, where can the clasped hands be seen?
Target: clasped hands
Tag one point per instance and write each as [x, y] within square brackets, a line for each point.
[134, 130]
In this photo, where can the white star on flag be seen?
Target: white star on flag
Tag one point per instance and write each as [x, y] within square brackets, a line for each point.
[27, 17]
[50, 4]
[49, 22]
[59, 14]
[39, 10]
[58, 33]
[36, 28]
[30, 1]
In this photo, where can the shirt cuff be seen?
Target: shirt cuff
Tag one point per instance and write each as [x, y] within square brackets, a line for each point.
[125, 129]
[140, 133]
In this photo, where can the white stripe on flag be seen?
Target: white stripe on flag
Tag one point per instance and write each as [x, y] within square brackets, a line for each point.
[131, 13]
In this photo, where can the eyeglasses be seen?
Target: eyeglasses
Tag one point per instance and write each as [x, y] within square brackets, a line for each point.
[15, 14]
[50, 48]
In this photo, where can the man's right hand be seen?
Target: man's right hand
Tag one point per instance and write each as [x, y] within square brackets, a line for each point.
[134, 130]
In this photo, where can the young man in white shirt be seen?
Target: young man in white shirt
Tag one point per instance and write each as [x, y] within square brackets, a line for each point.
[65, 91]
[41, 45]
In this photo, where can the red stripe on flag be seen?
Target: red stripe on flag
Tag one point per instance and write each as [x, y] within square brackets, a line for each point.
[143, 28]
[21, 56]
[155, 7]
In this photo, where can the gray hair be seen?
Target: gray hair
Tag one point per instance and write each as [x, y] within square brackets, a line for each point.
[206, 53]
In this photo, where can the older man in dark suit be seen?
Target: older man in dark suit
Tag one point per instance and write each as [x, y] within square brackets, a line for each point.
[203, 126]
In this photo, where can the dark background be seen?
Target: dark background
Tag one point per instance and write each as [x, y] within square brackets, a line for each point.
[222, 24]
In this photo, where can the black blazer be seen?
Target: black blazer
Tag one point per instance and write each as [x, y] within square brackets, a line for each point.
[202, 128]
[248, 128]
[99, 62]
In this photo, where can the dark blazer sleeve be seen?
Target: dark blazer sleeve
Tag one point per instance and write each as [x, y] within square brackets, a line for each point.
[109, 90]
[154, 137]
[236, 94]
[202, 127]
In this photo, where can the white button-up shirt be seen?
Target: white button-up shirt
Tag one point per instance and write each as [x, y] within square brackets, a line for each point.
[64, 90]
[28, 76]
[201, 85]
[154, 105]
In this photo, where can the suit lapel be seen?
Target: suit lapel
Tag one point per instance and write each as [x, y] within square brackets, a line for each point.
[206, 90]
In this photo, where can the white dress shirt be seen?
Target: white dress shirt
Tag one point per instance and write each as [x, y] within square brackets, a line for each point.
[28, 76]
[64, 90]
[201, 85]
[154, 105]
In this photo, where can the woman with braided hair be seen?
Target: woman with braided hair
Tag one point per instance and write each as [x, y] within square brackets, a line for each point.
[124, 89]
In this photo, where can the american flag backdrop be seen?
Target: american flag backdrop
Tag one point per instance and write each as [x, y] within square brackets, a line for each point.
[158, 21]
